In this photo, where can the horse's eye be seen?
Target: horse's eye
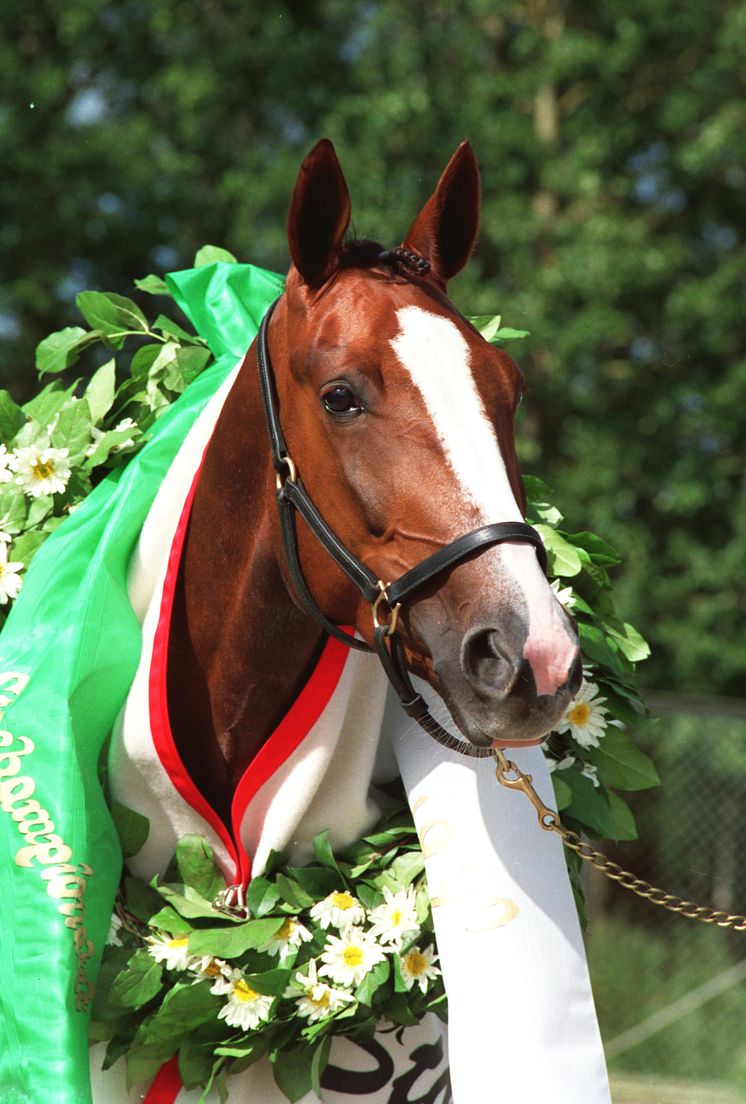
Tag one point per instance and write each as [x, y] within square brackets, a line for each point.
[339, 399]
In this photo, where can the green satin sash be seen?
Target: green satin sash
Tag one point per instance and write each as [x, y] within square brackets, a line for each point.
[68, 654]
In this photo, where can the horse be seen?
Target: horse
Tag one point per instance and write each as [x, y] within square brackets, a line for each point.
[385, 409]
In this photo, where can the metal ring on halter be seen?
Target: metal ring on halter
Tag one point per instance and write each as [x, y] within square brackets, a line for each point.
[292, 473]
[383, 596]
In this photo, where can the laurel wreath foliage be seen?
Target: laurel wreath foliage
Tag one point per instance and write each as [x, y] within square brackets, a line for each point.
[148, 1012]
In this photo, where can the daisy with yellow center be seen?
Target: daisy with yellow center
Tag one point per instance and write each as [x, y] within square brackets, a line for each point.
[287, 938]
[339, 910]
[207, 968]
[395, 917]
[318, 1000]
[245, 1008]
[347, 958]
[173, 950]
[585, 718]
[41, 471]
[418, 967]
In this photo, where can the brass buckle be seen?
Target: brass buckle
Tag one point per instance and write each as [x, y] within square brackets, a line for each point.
[231, 901]
[393, 611]
[292, 473]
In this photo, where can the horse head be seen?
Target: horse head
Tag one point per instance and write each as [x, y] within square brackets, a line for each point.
[400, 417]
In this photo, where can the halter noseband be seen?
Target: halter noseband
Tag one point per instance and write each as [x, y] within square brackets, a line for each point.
[292, 496]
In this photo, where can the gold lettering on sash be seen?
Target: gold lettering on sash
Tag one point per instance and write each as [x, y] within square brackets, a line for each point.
[66, 882]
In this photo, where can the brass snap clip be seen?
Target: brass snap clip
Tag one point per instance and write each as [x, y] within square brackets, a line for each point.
[505, 768]
[292, 473]
[393, 611]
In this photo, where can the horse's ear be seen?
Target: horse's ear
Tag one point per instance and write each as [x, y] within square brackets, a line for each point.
[446, 228]
[319, 214]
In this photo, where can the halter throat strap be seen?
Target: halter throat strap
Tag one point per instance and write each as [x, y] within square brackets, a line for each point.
[292, 497]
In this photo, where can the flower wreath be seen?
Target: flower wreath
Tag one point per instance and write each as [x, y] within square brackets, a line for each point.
[343, 943]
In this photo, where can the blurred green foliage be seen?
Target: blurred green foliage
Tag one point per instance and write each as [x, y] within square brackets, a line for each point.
[611, 139]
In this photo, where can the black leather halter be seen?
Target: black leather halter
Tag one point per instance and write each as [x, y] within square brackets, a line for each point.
[292, 496]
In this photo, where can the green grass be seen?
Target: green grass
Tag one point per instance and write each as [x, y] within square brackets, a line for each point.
[637, 971]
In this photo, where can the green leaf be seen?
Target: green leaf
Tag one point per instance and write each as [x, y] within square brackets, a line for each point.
[190, 903]
[404, 869]
[623, 821]
[208, 254]
[73, 430]
[272, 983]
[143, 361]
[195, 1063]
[562, 792]
[168, 919]
[323, 851]
[186, 366]
[487, 324]
[508, 334]
[630, 642]
[99, 393]
[589, 805]
[108, 444]
[598, 648]
[293, 1072]
[141, 899]
[373, 981]
[44, 406]
[319, 1064]
[536, 489]
[196, 864]
[167, 326]
[13, 508]
[27, 545]
[113, 315]
[293, 893]
[564, 558]
[184, 1007]
[38, 510]
[143, 1063]
[61, 349]
[153, 285]
[261, 896]
[599, 551]
[234, 941]
[132, 828]
[11, 417]
[138, 983]
[315, 882]
[622, 765]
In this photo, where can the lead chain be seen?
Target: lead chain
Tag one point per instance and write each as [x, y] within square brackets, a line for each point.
[509, 775]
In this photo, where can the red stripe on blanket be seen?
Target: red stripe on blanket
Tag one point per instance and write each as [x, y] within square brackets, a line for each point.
[287, 737]
[166, 1086]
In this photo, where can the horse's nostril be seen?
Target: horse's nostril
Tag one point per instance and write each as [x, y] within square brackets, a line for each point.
[485, 664]
[575, 677]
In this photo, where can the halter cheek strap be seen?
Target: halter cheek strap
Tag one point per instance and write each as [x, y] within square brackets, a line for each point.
[385, 598]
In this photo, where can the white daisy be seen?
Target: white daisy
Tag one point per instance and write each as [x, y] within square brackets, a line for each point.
[245, 1008]
[590, 772]
[418, 967]
[340, 910]
[173, 950]
[348, 957]
[207, 968]
[564, 595]
[287, 938]
[115, 926]
[41, 471]
[5, 472]
[585, 718]
[10, 580]
[396, 916]
[561, 764]
[318, 1000]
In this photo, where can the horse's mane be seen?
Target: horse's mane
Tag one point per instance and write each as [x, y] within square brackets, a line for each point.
[366, 253]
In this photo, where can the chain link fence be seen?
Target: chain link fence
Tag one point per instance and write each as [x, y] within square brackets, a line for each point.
[670, 992]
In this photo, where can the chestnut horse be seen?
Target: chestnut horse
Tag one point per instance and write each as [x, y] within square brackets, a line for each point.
[400, 417]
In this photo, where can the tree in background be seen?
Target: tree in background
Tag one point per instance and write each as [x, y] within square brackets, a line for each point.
[612, 142]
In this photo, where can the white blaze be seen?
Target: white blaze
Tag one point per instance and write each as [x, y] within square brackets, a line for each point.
[436, 355]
